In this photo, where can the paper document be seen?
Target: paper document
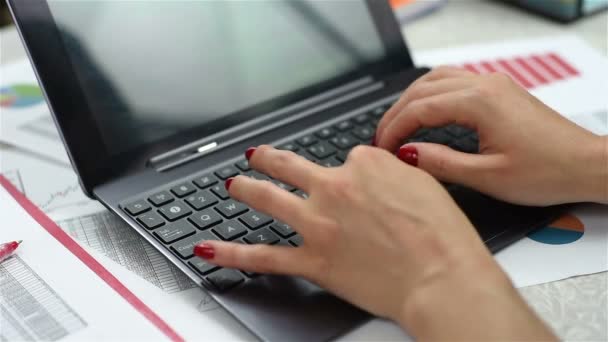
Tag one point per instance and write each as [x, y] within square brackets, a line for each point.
[562, 71]
[574, 245]
[30, 174]
[49, 293]
[25, 120]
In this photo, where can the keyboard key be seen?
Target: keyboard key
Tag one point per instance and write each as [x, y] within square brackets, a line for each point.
[243, 165]
[456, 130]
[257, 175]
[205, 181]
[322, 150]
[151, 220]
[137, 207]
[227, 172]
[220, 191]
[361, 119]
[206, 218]
[461, 145]
[283, 243]
[225, 279]
[175, 231]
[231, 208]
[282, 185]
[306, 155]
[160, 198]
[422, 132]
[201, 200]
[343, 126]
[325, 133]
[288, 147]
[174, 211]
[263, 236]
[379, 112]
[306, 140]
[255, 220]
[283, 229]
[202, 266]
[296, 240]
[439, 137]
[364, 132]
[342, 155]
[230, 230]
[344, 141]
[250, 274]
[182, 190]
[184, 248]
[330, 162]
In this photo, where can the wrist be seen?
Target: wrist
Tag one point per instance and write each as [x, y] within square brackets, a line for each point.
[424, 309]
[472, 302]
[592, 175]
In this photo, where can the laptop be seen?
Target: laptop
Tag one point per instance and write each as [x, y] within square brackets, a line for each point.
[156, 103]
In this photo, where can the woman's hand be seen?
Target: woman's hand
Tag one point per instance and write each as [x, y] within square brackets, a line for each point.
[377, 232]
[529, 154]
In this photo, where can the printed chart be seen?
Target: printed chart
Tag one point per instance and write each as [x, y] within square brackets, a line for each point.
[29, 309]
[567, 229]
[14, 177]
[43, 127]
[529, 71]
[108, 235]
[20, 95]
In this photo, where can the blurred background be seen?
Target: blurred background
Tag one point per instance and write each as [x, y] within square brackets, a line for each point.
[442, 23]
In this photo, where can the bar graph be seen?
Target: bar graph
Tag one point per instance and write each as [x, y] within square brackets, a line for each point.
[529, 71]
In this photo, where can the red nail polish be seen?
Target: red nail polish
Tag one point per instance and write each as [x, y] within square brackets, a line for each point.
[374, 142]
[204, 251]
[228, 182]
[408, 154]
[249, 152]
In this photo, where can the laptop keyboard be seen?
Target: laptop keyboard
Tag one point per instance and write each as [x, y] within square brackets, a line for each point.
[198, 209]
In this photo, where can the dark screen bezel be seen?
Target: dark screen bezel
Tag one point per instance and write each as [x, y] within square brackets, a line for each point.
[79, 130]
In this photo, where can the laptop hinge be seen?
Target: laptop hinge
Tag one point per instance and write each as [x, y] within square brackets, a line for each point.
[296, 111]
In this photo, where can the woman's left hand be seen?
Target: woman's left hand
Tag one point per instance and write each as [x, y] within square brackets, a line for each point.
[375, 230]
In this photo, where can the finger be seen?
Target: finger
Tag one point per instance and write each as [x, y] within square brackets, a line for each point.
[427, 89]
[452, 166]
[439, 110]
[285, 166]
[270, 199]
[445, 71]
[263, 259]
[442, 72]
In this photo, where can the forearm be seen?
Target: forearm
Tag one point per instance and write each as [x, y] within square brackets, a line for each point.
[472, 305]
[592, 176]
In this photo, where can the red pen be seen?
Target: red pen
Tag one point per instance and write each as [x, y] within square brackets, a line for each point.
[8, 249]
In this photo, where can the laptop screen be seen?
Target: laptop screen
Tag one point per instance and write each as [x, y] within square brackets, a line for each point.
[150, 70]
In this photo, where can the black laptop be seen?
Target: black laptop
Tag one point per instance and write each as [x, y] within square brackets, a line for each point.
[157, 102]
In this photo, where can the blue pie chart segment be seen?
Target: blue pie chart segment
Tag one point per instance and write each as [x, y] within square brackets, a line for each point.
[567, 229]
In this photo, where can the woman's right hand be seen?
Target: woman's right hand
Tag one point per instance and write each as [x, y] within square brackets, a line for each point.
[528, 153]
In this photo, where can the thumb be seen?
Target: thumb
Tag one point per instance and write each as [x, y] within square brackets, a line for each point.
[449, 165]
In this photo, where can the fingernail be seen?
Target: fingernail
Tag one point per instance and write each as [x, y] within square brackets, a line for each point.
[228, 182]
[374, 140]
[204, 251]
[408, 154]
[249, 152]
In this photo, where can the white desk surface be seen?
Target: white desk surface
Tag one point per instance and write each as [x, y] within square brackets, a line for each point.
[576, 308]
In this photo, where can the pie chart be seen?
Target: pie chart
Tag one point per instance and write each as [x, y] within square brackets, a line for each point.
[20, 96]
[567, 229]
